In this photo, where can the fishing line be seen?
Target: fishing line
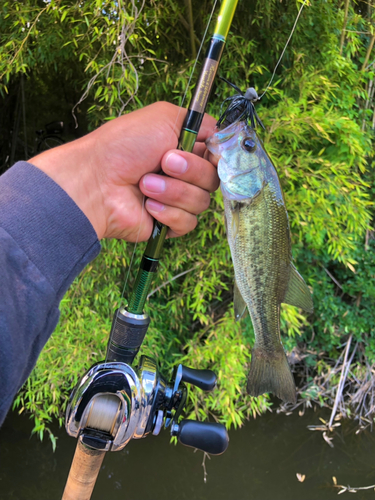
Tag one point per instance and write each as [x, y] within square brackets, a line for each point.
[192, 72]
[172, 132]
[119, 55]
[286, 45]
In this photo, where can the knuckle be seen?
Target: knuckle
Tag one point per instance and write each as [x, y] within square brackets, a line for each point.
[176, 220]
[215, 184]
[207, 201]
[203, 204]
[181, 222]
[189, 225]
[179, 190]
[164, 107]
[194, 223]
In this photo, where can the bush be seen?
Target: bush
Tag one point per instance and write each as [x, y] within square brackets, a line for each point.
[317, 115]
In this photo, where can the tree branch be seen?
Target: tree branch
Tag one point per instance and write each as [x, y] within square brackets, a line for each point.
[186, 25]
[24, 40]
[368, 53]
[342, 40]
[189, 9]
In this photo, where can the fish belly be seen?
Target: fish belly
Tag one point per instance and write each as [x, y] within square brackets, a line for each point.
[261, 253]
[259, 239]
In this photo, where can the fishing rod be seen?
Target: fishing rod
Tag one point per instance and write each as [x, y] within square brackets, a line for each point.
[115, 402]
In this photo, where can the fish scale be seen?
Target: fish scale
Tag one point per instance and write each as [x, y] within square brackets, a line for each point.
[259, 238]
[266, 273]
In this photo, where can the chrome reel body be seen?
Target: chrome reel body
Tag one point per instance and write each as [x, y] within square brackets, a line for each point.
[114, 425]
[114, 403]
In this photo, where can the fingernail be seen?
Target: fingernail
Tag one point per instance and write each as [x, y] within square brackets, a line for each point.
[176, 163]
[154, 206]
[154, 183]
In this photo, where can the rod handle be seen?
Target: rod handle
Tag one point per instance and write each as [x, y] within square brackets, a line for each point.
[83, 473]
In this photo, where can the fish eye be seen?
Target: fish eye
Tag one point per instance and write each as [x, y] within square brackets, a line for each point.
[248, 144]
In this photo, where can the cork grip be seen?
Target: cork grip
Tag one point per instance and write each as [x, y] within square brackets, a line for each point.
[83, 473]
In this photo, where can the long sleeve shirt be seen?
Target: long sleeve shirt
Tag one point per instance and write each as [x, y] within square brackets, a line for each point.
[45, 242]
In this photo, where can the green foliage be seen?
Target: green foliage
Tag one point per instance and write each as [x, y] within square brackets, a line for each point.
[321, 157]
[317, 115]
[345, 301]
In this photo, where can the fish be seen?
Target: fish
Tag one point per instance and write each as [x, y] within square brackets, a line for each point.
[258, 234]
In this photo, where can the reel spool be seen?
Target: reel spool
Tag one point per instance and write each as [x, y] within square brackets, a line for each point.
[103, 413]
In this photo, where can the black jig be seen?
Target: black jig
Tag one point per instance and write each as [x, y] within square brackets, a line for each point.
[240, 107]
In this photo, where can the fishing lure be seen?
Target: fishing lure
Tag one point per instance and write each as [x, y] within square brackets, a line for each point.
[240, 107]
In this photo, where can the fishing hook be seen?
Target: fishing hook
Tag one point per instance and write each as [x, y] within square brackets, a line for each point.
[240, 107]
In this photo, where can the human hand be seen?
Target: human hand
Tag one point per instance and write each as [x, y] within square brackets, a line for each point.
[108, 171]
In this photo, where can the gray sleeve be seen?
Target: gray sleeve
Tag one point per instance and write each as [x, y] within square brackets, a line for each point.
[45, 242]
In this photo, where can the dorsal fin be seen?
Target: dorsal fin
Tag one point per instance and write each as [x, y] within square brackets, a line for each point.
[240, 307]
[298, 293]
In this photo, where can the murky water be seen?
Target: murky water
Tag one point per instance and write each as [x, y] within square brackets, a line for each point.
[260, 464]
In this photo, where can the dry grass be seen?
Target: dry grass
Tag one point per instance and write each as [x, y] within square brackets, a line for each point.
[346, 386]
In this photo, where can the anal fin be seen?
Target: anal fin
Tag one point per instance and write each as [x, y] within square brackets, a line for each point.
[298, 293]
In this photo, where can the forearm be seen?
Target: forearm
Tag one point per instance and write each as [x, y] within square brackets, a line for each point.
[52, 215]
[45, 241]
[72, 167]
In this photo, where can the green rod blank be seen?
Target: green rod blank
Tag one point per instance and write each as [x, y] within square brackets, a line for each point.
[186, 142]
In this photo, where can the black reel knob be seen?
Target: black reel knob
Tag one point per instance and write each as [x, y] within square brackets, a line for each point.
[204, 379]
[206, 436]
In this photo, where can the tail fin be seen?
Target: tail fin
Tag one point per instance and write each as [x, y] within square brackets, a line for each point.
[270, 372]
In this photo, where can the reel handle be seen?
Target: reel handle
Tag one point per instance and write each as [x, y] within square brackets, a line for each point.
[203, 379]
[206, 436]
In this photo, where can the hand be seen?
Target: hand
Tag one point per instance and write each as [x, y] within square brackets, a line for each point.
[108, 171]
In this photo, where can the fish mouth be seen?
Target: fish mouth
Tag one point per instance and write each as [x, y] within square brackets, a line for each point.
[215, 143]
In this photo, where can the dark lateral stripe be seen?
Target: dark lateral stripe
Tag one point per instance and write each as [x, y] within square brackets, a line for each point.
[149, 265]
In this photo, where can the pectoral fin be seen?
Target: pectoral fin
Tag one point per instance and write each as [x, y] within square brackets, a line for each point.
[298, 293]
[235, 209]
[240, 307]
[226, 224]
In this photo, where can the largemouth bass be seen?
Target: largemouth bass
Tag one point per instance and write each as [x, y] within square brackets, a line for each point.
[259, 238]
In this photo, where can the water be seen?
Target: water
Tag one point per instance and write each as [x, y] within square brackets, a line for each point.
[260, 464]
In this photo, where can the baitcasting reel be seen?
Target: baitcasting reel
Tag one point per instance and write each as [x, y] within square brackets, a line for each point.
[114, 403]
